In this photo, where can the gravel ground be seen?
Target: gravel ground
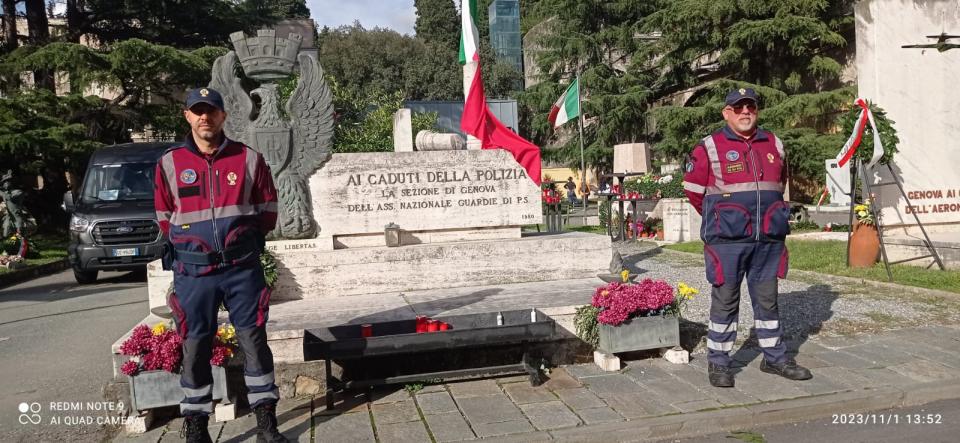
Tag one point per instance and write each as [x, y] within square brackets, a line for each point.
[820, 306]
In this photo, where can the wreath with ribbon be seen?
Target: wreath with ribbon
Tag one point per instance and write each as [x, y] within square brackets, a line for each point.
[878, 149]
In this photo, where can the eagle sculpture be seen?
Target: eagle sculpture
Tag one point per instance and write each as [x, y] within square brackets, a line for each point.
[295, 148]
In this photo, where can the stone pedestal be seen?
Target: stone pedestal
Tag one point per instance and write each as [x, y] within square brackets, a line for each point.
[402, 131]
[838, 183]
[631, 157]
[680, 221]
[307, 272]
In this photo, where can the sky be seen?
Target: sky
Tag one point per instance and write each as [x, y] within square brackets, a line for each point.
[398, 15]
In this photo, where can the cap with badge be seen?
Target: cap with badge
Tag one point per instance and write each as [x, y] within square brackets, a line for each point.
[204, 95]
[737, 95]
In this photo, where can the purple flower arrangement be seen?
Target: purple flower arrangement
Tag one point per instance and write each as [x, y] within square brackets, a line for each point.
[160, 348]
[619, 302]
[151, 350]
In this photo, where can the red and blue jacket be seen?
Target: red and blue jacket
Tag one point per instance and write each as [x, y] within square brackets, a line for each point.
[737, 186]
[210, 204]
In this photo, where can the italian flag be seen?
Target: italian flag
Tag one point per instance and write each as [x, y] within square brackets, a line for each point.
[468, 34]
[477, 120]
[567, 106]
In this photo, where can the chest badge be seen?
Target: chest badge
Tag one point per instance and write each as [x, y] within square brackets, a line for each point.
[232, 178]
[188, 176]
[733, 155]
[770, 157]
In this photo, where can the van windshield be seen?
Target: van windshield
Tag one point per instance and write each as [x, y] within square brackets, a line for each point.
[119, 182]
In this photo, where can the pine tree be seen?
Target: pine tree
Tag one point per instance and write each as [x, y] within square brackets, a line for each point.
[657, 71]
[595, 38]
[438, 23]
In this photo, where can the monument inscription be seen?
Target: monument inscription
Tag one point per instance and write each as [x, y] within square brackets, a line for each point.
[361, 193]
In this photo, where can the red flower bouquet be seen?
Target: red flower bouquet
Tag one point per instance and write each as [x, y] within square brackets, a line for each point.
[159, 348]
[619, 302]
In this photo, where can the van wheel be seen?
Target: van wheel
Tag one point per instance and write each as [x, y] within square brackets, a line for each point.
[85, 277]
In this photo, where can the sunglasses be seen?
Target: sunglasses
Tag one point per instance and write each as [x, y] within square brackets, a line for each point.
[751, 107]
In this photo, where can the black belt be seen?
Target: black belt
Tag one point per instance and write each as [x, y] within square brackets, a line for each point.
[228, 255]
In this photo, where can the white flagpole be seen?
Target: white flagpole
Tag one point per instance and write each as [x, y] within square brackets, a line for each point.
[583, 168]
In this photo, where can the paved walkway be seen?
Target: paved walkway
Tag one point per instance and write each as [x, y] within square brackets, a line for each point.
[840, 331]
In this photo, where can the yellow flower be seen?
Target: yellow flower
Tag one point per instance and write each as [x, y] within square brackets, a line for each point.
[625, 275]
[158, 329]
[862, 213]
[226, 332]
[860, 208]
[686, 291]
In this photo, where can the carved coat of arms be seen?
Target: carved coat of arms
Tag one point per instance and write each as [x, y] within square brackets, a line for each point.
[294, 148]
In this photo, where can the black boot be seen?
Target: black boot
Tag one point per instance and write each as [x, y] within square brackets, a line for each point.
[194, 429]
[720, 376]
[267, 424]
[788, 369]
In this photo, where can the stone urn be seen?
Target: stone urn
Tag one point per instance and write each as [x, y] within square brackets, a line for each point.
[864, 246]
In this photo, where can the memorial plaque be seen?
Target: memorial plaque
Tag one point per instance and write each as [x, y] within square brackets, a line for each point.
[361, 193]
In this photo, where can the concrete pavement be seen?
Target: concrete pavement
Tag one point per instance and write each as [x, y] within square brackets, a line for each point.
[649, 399]
[52, 335]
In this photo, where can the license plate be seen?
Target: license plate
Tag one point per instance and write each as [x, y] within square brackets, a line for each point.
[125, 252]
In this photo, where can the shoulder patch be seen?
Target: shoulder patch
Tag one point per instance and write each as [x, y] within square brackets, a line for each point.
[689, 166]
[188, 176]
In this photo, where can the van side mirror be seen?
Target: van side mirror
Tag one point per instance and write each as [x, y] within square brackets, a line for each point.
[68, 204]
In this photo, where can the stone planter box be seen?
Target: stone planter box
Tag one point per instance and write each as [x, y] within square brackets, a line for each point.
[641, 333]
[154, 389]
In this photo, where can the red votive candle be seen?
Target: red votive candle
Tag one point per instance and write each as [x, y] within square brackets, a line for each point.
[433, 326]
[366, 330]
[444, 326]
[421, 323]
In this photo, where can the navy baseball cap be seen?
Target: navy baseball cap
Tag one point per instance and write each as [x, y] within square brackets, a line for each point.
[204, 95]
[740, 94]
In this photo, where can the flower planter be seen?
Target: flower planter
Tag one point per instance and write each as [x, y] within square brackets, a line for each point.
[154, 389]
[864, 246]
[638, 334]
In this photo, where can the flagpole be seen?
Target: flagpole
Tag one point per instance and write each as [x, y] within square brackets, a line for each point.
[583, 168]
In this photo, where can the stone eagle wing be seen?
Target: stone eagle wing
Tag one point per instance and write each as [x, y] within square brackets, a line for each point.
[238, 104]
[310, 108]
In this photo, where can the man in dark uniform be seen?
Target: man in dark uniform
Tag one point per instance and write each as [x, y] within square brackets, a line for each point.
[216, 201]
[735, 179]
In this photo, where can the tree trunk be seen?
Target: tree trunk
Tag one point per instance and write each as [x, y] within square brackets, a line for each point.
[39, 35]
[10, 25]
[74, 20]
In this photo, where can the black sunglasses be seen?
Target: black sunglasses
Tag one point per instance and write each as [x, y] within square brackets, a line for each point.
[752, 107]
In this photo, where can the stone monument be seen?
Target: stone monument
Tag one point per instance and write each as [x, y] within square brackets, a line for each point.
[15, 219]
[378, 224]
[294, 148]
[631, 157]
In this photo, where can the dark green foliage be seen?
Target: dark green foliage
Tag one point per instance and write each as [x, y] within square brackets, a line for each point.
[584, 35]
[438, 23]
[369, 58]
[657, 71]
[178, 23]
[805, 225]
[587, 327]
[270, 271]
[365, 118]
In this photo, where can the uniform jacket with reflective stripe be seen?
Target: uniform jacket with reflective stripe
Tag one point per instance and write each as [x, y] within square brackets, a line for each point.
[207, 204]
[737, 186]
